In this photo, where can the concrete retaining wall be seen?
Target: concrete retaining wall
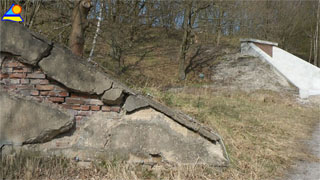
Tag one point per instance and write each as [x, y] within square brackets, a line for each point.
[301, 73]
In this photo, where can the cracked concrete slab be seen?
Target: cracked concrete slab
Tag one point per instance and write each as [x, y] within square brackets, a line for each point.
[113, 96]
[134, 102]
[73, 72]
[145, 136]
[19, 126]
[183, 119]
[17, 40]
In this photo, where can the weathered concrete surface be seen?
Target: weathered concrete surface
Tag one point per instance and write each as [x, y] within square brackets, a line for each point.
[301, 73]
[113, 96]
[184, 120]
[17, 40]
[137, 102]
[26, 121]
[146, 136]
[71, 71]
[134, 102]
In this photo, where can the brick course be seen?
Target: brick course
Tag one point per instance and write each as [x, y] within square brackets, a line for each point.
[45, 87]
[39, 81]
[95, 108]
[56, 99]
[18, 75]
[24, 81]
[74, 101]
[30, 81]
[36, 76]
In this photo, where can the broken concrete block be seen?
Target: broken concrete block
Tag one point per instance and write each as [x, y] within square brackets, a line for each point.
[133, 103]
[72, 72]
[25, 121]
[113, 97]
[17, 40]
[144, 136]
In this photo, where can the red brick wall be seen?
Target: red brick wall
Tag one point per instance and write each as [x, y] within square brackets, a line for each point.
[265, 47]
[30, 81]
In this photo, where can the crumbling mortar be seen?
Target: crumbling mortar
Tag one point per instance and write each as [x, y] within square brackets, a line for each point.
[6, 54]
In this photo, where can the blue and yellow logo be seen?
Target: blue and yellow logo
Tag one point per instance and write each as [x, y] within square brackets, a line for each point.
[13, 14]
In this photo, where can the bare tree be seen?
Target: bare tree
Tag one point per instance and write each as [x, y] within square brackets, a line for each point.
[79, 25]
[97, 31]
[190, 15]
[31, 9]
[185, 40]
[316, 39]
[127, 31]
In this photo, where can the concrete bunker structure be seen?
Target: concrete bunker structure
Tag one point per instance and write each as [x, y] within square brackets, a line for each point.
[303, 75]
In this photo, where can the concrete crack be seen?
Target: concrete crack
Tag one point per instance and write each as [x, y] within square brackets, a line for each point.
[45, 54]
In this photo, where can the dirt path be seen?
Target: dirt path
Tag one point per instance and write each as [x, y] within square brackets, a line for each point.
[309, 170]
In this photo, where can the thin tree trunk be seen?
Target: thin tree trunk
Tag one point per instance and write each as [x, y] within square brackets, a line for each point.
[219, 28]
[110, 10]
[185, 41]
[79, 24]
[315, 50]
[97, 32]
[310, 54]
[26, 13]
[316, 53]
[34, 13]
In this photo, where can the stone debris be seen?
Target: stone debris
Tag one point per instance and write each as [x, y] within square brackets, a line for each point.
[113, 96]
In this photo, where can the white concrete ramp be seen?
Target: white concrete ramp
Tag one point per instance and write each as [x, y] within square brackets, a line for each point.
[303, 75]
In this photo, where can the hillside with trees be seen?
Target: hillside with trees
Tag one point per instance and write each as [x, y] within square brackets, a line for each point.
[132, 35]
[186, 55]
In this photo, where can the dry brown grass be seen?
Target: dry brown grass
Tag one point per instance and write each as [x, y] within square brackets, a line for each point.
[32, 165]
[263, 132]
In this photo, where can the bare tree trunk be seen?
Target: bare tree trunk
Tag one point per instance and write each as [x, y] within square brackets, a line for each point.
[185, 41]
[219, 28]
[35, 10]
[310, 54]
[109, 5]
[97, 31]
[316, 43]
[79, 24]
[315, 50]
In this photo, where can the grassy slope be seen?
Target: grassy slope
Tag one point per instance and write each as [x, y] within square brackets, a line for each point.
[262, 131]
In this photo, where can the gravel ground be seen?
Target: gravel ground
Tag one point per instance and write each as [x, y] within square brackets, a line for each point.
[238, 72]
[308, 170]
